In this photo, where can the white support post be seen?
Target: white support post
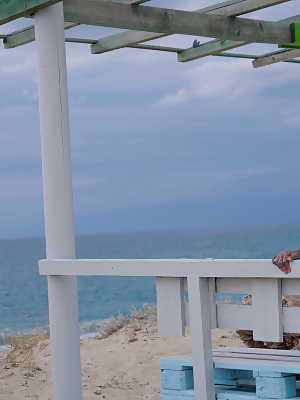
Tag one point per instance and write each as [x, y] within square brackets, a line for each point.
[58, 200]
[199, 306]
[170, 306]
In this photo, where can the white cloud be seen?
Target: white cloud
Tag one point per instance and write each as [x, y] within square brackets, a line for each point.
[227, 80]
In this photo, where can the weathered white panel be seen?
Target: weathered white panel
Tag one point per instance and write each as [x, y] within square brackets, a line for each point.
[291, 287]
[173, 268]
[186, 304]
[170, 306]
[267, 310]
[291, 319]
[235, 316]
[212, 302]
[234, 285]
[201, 338]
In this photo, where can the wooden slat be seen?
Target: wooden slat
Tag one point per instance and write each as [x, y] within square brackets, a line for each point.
[227, 8]
[235, 316]
[248, 268]
[259, 351]
[234, 285]
[212, 302]
[201, 338]
[291, 319]
[13, 9]
[281, 55]
[291, 287]
[214, 47]
[170, 306]
[154, 19]
[267, 310]
[25, 36]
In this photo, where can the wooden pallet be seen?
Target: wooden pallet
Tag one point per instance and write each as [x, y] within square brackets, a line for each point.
[239, 374]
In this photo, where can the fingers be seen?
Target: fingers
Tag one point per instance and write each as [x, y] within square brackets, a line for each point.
[286, 267]
[283, 263]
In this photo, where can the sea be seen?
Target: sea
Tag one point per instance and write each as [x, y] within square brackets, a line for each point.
[23, 292]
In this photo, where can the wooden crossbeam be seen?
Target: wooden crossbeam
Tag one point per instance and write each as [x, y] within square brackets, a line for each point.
[13, 9]
[131, 2]
[215, 46]
[24, 36]
[227, 8]
[275, 57]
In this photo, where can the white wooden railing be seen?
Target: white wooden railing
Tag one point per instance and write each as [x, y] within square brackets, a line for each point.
[202, 280]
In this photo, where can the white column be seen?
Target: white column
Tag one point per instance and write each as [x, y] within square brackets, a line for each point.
[58, 200]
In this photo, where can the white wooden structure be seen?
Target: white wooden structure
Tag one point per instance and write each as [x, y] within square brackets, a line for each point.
[201, 278]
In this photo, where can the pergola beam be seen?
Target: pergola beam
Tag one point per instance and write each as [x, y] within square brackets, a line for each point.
[14, 9]
[227, 8]
[278, 56]
[163, 20]
[215, 46]
[25, 36]
[131, 2]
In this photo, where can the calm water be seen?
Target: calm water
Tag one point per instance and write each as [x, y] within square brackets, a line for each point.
[23, 293]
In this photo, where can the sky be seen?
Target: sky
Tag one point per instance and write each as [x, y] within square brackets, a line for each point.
[157, 144]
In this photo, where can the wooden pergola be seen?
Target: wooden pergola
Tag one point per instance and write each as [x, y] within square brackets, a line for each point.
[223, 23]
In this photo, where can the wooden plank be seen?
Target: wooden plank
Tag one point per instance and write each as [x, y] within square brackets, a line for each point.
[258, 351]
[235, 316]
[131, 2]
[227, 8]
[208, 49]
[281, 55]
[257, 356]
[291, 287]
[212, 301]
[201, 338]
[24, 36]
[267, 310]
[216, 46]
[170, 306]
[234, 285]
[163, 20]
[14, 9]
[248, 268]
[291, 319]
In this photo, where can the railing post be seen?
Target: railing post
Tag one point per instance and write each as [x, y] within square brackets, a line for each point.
[200, 323]
[58, 200]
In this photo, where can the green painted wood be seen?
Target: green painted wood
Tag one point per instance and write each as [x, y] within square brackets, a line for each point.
[25, 36]
[227, 8]
[13, 9]
[163, 20]
[295, 38]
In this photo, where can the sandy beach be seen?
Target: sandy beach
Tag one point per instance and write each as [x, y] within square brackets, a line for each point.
[123, 365]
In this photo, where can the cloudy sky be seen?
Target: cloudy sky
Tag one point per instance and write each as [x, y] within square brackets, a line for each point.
[157, 144]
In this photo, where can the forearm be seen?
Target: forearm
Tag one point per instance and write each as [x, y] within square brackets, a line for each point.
[296, 254]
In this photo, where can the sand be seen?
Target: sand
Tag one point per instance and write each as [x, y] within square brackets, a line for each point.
[124, 365]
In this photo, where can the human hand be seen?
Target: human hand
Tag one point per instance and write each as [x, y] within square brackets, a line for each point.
[283, 260]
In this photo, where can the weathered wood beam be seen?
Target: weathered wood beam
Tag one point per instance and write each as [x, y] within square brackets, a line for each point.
[14, 9]
[106, 13]
[207, 49]
[275, 57]
[227, 8]
[222, 54]
[131, 2]
[25, 36]
[215, 46]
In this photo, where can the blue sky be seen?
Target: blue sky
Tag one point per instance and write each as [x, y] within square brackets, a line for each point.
[157, 144]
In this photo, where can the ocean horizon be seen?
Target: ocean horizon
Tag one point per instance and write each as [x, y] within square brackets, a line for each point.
[23, 292]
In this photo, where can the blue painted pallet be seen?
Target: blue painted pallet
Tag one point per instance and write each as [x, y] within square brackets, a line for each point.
[234, 379]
